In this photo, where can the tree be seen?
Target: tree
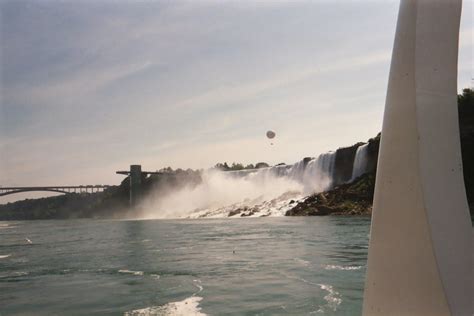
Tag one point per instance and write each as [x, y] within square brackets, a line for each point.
[262, 165]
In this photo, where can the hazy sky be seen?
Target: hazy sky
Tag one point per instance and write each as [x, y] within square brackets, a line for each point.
[90, 87]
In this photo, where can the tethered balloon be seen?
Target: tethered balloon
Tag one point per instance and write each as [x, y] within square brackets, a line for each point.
[271, 134]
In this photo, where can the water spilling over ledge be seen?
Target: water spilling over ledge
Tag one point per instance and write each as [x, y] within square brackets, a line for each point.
[270, 191]
[360, 161]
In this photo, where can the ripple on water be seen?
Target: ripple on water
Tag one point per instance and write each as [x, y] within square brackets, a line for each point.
[7, 226]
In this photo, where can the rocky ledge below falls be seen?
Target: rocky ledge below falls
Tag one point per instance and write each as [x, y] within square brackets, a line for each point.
[353, 198]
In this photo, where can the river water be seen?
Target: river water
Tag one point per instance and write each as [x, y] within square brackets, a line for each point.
[252, 266]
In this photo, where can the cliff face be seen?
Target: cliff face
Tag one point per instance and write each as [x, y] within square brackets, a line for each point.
[353, 198]
[466, 129]
[356, 197]
[344, 162]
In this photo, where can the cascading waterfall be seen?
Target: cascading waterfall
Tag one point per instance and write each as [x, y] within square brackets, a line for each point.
[318, 174]
[256, 192]
[315, 174]
[360, 161]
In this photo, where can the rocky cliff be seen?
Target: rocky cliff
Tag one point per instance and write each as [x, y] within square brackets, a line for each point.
[354, 196]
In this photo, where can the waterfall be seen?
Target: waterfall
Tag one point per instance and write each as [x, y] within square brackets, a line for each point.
[360, 161]
[253, 192]
[318, 174]
[315, 174]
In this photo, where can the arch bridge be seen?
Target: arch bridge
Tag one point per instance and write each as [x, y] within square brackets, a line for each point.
[59, 189]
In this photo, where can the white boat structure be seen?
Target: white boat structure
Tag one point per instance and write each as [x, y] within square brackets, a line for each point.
[421, 244]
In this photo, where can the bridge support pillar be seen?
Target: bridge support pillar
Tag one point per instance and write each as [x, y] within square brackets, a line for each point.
[135, 184]
[136, 175]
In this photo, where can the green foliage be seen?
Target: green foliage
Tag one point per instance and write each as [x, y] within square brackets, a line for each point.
[238, 166]
[466, 100]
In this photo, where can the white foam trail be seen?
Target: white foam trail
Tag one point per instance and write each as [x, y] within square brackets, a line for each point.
[360, 161]
[4, 256]
[186, 307]
[6, 226]
[345, 268]
[131, 272]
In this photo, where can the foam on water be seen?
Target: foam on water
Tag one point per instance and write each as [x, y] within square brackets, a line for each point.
[4, 256]
[131, 272]
[6, 226]
[186, 307]
[197, 283]
[346, 268]
[333, 298]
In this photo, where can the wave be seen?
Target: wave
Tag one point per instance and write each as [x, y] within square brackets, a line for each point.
[15, 274]
[4, 256]
[6, 226]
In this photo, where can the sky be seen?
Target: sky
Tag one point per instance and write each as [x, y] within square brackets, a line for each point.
[90, 87]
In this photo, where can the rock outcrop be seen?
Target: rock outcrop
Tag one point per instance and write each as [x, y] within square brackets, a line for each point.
[346, 199]
[355, 198]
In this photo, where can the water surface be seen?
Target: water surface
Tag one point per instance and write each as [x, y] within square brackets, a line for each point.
[252, 266]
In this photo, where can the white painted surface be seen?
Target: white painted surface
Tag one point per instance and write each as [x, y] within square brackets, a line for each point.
[420, 252]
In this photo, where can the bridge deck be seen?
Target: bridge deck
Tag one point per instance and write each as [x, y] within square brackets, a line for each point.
[59, 189]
